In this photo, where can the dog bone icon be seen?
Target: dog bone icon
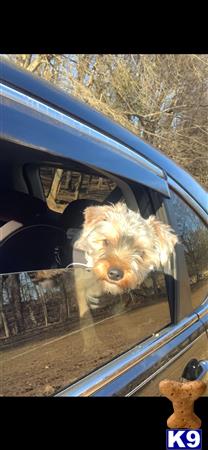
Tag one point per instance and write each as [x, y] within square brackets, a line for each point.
[183, 396]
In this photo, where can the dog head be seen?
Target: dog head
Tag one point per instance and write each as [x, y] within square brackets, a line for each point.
[121, 247]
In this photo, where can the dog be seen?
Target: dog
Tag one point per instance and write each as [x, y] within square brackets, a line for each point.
[121, 248]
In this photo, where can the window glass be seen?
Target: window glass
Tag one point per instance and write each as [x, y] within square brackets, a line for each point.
[46, 176]
[45, 346]
[56, 323]
[63, 186]
[194, 236]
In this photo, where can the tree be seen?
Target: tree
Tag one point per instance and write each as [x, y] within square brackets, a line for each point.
[197, 253]
[13, 282]
[162, 98]
[3, 318]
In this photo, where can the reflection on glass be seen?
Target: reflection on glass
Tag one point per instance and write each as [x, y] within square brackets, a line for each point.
[62, 186]
[45, 345]
[194, 236]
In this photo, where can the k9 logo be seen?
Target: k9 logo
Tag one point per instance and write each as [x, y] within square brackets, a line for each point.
[185, 439]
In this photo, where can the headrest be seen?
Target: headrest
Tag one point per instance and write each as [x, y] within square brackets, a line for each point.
[73, 214]
[20, 207]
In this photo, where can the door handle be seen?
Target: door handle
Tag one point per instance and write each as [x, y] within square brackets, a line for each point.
[195, 370]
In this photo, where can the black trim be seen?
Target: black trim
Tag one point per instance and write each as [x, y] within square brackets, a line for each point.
[182, 304]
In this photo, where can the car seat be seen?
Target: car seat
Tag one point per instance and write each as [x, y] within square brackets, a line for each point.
[29, 240]
[32, 247]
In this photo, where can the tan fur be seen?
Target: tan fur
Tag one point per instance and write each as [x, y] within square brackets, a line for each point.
[116, 237]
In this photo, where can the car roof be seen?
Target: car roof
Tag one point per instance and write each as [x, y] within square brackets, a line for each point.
[38, 88]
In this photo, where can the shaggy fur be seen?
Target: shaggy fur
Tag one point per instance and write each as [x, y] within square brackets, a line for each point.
[119, 238]
[115, 238]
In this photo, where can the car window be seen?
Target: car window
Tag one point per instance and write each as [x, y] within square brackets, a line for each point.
[44, 346]
[63, 186]
[47, 340]
[194, 236]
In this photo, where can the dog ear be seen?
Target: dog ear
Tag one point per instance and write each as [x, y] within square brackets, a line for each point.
[165, 239]
[95, 214]
[92, 214]
[99, 213]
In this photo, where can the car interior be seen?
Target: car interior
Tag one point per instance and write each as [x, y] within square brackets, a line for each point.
[25, 218]
[35, 237]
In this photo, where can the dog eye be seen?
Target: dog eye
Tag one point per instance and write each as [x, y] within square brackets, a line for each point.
[106, 242]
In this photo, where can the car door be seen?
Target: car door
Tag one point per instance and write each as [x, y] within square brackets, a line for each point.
[191, 360]
[33, 131]
[43, 341]
[180, 350]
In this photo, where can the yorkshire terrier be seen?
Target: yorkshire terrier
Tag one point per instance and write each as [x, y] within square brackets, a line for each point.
[120, 247]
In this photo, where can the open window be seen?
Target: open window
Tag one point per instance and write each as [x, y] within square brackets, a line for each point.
[45, 344]
[62, 186]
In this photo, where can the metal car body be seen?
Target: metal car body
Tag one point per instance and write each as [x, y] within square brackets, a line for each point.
[42, 125]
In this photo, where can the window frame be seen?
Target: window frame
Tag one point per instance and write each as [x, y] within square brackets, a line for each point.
[185, 303]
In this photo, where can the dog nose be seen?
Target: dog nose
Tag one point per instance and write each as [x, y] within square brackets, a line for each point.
[115, 274]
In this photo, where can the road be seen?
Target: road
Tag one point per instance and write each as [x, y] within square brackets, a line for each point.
[44, 367]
